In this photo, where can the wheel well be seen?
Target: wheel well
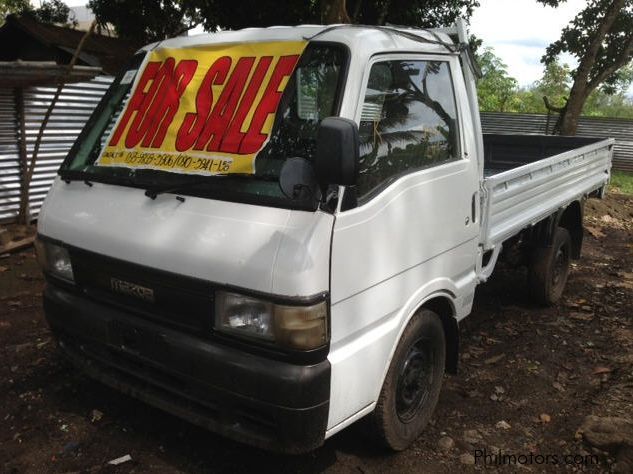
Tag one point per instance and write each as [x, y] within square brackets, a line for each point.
[443, 307]
[571, 219]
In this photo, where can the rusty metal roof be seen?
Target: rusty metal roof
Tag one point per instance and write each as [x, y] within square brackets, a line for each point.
[27, 73]
[24, 38]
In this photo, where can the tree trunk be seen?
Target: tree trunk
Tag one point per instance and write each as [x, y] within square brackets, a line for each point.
[567, 123]
[382, 16]
[334, 11]
[568, 120]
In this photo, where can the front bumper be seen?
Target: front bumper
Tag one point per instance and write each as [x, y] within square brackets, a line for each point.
[270, 404]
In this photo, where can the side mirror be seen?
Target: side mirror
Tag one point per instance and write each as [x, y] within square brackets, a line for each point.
[337, 152]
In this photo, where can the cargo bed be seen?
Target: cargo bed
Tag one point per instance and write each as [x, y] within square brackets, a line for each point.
[527, 177]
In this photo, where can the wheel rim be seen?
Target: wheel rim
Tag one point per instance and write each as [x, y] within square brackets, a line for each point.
[561, 260]
[415, 380]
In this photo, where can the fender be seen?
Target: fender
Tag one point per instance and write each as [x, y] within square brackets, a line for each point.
[449, 321]
[570, 217]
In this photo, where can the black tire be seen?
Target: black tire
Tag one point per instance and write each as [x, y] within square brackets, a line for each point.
[549, 269]
[412, 385]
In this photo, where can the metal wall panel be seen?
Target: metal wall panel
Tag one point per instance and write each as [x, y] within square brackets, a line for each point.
[10, 173]
[621, 130]
[71, 112]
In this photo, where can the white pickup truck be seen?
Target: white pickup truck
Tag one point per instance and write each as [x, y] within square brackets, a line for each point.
[275, 232]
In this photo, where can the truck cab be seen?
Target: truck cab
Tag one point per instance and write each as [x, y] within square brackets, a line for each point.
[274, 233]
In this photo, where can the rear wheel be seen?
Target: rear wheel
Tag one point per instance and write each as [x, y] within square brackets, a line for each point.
[549, 269]
[412, 385]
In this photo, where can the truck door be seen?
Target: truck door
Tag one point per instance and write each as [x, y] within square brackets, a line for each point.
[410, 227]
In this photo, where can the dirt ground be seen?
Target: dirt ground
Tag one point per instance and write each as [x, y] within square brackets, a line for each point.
[528, 377]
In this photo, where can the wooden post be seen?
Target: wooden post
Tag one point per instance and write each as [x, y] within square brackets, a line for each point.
[23, 215]
[551, 108]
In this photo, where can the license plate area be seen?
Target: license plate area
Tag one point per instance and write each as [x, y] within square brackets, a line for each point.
[137, 341]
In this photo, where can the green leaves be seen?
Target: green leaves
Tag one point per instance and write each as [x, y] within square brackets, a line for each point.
[496, 90]
[420, 13]
[144, 21]
[599, 35]
[600, 38]
[50, 11]
[53, 11]
[499, 92]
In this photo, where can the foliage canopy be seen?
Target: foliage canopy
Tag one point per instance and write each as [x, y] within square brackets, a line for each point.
[600, 38]
[144, 21]
[50, 11]
[499, 92]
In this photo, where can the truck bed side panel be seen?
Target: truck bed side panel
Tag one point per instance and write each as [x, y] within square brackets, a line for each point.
[520, 197]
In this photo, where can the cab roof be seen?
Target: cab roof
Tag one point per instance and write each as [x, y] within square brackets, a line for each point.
[370, 39]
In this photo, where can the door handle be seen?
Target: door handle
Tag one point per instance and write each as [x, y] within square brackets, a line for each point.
[473, 207]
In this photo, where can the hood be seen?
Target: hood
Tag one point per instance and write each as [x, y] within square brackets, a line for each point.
[276, 251]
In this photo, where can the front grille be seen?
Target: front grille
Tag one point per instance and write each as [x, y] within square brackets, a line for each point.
[177, 301]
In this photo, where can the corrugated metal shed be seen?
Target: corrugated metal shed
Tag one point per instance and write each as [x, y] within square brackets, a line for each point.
[70, 114]
[24, 38]
[620, 129]
[10, 169]
[26, 73]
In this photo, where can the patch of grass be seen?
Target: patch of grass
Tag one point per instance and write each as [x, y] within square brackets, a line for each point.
[622, 182]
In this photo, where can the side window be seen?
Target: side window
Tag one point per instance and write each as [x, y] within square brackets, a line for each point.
[408, 121]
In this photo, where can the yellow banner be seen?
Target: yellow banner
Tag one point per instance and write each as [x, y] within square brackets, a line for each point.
[202, 110]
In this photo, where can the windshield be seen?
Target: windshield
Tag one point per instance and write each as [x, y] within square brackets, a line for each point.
[116, 146]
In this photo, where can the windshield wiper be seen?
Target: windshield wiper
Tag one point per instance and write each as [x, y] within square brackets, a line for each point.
[181, 186]
[174, 188]
[73, 175]
[88, 178]
[76, 175]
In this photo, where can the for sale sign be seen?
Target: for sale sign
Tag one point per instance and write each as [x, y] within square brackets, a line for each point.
[202, 110]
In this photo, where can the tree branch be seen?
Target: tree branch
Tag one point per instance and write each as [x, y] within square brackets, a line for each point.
[186, 28]
[584, 68]
[624, 58]
[551, 107]
[334, 11]
[51, 107]
[382, 16]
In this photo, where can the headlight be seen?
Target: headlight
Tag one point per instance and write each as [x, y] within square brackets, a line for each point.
[54, 259]
[291, 327]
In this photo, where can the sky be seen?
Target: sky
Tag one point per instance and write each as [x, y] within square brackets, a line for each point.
[520, 30]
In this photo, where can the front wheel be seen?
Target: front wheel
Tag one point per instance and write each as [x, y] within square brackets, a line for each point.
[412, 385]
[549, 269]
